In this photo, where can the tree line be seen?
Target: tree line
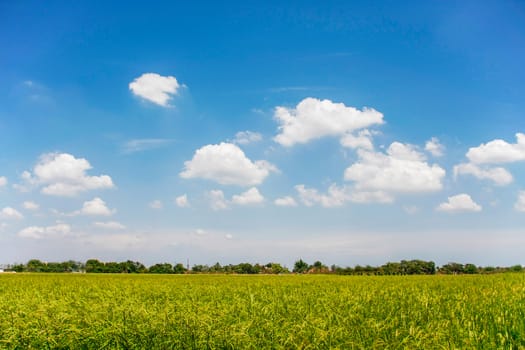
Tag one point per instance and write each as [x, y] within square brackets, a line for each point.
[403, 267]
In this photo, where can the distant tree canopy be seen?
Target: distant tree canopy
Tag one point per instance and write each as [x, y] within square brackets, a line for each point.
[242, 268]
[403, 267]
[95, 266]
[300, 266]
[35, 265]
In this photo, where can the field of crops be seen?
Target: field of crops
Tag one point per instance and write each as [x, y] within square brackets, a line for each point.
[260, 312]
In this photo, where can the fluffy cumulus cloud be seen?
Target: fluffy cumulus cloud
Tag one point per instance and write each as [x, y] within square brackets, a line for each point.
[182, 201]
[3, 181]
[11, 214]
[96, 207]
[155, 88]
[401, 169]
[459, 203]
[337, 196]
[250, 197]
[39, 232]
[498, 151]
[246, 137]
[30, 205]
[286, 201]
[363, 139]
[226, 164]
[109, 225]
[493, 152]
[498, 175]
[313, 118]
[61, 174]
[435, 147]
[520, 203]
[217, 200]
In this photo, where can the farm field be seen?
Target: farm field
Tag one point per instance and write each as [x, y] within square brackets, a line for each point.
[88, 311]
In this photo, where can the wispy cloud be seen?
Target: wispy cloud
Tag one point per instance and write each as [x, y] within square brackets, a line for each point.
[140, 145]
[288, 88]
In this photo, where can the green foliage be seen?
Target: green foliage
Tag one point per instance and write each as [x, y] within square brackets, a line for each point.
[139, 311]
[179, 268]
[404, 267]
[161, 268]
[300, 266]
[470, 269]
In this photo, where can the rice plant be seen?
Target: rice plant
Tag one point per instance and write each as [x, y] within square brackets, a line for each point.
[82, 311]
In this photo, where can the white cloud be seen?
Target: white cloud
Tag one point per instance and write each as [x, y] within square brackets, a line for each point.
[228, 236]
[156, 204]
[498, 151]
[96, 207]
[39, 232]
[313, 119]
[138, 145]
[3, 181]
[62, 174]
[401, 169]
[285, 202]
[217, 200]
[10, 213]
[411, 209]
[245, 137]
[109, 225]
[182, 201]
[498, 175]
[459, 203]
[226, 164]
[155, 88]
[200, 232]
[370, 197]
[250, 197]
[30, 205]
[28, 182]
[493, 152]
[337, 196]
[435, 147]
[520, 203]
[362, 140]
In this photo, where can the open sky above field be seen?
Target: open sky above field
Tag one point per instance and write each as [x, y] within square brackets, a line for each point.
[346, 132]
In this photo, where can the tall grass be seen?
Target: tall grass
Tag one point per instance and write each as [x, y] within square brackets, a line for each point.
[262, 312]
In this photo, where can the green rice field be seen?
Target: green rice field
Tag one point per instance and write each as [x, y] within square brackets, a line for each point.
[88, 311]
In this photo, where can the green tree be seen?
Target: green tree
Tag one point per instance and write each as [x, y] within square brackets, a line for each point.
[470, 269]
[300, 266]
[452, 268]
[179, 268]
[93, 265]
[161, 268]
[35, 265]
[516, 268]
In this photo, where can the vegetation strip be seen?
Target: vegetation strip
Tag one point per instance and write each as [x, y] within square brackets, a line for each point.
[133, 311]
[404, 267]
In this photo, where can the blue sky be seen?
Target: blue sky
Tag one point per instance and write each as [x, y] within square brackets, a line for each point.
[352, 133]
